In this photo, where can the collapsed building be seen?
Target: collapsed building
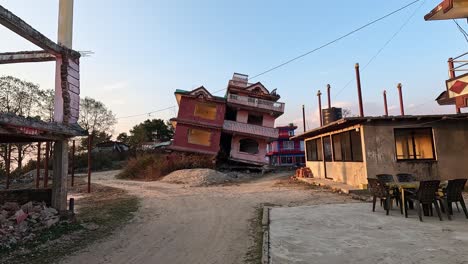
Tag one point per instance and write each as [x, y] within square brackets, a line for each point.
[238, 126]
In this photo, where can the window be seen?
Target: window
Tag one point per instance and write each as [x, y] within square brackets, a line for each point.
[248, 145]
[314, 149]
[206, 111]
[288, 145]
[255, 120]
[199, 137]
[414, 144]
[327, 148]
[347, 146]
[287, 160]
[300, 160]
[301, 145]
[291, 133]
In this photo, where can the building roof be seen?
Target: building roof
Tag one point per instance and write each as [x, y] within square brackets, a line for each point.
[15, 129]
[351, 121]
[199, 89]
[448, 9]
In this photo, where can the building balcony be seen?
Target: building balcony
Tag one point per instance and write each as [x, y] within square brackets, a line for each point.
[250, 130]
[256, 103]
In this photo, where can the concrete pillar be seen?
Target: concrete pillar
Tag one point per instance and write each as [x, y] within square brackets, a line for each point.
[65, 38]
[59, 187]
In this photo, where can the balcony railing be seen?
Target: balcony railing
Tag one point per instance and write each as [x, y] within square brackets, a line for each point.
[458, 64]
[256, 103]
[248, 129]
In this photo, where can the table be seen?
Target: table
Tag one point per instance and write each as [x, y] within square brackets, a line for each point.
[402, 186]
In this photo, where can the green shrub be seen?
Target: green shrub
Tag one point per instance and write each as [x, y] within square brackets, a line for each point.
[154, 166]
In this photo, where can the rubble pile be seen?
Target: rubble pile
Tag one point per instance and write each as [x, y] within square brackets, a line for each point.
[197, 177]
[22, 223]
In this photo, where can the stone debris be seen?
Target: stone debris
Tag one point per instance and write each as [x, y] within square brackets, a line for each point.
[22, 223]
[206, 177]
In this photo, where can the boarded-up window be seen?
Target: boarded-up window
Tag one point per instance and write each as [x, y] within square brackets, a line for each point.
[205, 111]
[248, 145]
[199, 137]
[414, 144]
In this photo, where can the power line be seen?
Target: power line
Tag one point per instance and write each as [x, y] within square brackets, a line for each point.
[461, 30]
[148, 113]
[335, 40]
[383, 47]
[331, 42]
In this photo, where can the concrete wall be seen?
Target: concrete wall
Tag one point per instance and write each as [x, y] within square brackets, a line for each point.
[260, 157]
[450, 143]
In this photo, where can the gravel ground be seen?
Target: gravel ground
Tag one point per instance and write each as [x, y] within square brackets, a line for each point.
[180, 224]
[197, 177]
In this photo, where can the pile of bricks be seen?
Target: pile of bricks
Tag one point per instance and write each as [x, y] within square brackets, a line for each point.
[304, 173]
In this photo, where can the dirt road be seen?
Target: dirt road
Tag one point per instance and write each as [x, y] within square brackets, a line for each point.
[178, 224]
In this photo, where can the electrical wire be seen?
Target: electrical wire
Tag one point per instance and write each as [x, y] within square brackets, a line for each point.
[330, 42]
[148, 113]
[461, 30]
[335, 40]
[383, 47]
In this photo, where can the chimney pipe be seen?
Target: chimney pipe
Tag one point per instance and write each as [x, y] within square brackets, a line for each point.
[303, 118]
[402, 108]
[358, 80]
[328, 93]
[385, 102]
[319, 95]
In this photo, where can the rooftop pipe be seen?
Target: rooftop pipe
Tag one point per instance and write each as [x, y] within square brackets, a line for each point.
[358, 80]
[303, 118]
[402, 108]
[319, 94]
[329, 97]
[385, 102]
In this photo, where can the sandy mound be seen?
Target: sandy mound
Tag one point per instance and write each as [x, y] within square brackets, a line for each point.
[197, 177]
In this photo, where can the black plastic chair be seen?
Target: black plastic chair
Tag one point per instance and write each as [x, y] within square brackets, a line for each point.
[426, 195]
[453, 194]
[378, 190]
[385, 177]
[405, 177]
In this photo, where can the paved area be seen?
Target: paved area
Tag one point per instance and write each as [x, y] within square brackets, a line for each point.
[352, 233]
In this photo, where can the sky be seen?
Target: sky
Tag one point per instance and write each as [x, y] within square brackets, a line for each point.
[145, 50]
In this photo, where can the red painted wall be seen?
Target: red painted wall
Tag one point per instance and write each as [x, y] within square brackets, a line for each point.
[187, 108]
[181, 140]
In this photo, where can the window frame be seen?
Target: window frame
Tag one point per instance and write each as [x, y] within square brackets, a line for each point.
[412, 129]
[190, 132]
[290, 142]
[342, 149]
[198, 110]
[316, 140]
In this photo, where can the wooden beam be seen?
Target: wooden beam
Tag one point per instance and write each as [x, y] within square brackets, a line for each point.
[20, 27]
[25, 56]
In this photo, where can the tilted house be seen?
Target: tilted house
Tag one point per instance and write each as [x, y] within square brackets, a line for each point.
[239, 125]
[199, 121]
[352, 149]
[251, 111]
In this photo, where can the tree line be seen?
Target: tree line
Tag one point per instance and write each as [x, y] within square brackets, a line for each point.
[26, 99]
